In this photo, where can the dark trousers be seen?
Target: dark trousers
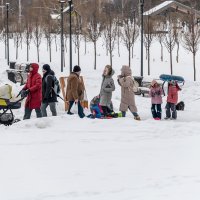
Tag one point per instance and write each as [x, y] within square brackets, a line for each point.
[106, 110]
[52, 106]
[80, 109]
[28, 112]
[156, 111]
[171, 107]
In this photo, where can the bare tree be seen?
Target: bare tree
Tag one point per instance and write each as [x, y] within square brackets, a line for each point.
[17, 39]
[191, 40]
[48, 31]
[110, 28]
[148, 39]
[93, 32]
[130, 33]
[37, 36]
[170, 42]
[160, 31]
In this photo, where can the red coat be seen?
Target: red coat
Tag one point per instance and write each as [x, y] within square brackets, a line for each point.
[173, 93]
[34, 85]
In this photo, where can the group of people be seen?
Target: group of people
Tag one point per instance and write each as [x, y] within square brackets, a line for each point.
[41, 93]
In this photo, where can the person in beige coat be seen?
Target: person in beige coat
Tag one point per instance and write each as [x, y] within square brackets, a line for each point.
[127, 84]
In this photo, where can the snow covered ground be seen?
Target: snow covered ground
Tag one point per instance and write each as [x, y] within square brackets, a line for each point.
[64, 157]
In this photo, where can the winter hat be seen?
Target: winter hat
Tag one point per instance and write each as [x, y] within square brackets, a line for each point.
[76, 69]
[153, 83]
[126, 71]
[46, 67]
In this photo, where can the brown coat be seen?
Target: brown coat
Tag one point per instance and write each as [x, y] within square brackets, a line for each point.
[127, 92]
[75, 88]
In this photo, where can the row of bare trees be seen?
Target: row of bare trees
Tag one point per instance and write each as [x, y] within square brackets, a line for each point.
[90, 22]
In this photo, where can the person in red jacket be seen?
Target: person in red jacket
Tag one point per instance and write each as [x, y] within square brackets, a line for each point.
[172, 100]
[33, 91]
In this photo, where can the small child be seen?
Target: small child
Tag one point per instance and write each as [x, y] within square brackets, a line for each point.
[172, 100]
[156, 99]
[95, 108]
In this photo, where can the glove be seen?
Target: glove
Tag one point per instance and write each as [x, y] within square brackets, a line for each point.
[24, 93]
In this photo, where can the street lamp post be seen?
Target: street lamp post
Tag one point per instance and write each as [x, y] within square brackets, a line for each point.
[62, 33]
[142, 36]
[70, 34]
[7, 32]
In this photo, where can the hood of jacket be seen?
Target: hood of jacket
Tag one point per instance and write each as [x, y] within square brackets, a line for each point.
[109, 76]
[126, 71]
[35, 67]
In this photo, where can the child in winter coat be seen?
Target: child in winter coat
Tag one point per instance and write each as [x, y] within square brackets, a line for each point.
[156, 99]
[95, 108]
[126, 82]
[172, 100]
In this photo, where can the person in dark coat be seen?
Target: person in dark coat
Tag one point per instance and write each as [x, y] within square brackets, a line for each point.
[49, 96]
[75, 91]
[33, 91]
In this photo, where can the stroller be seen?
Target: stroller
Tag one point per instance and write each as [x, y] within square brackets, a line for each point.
[6, 106]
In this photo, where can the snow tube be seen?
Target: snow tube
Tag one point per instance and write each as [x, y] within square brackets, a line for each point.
[167, 78]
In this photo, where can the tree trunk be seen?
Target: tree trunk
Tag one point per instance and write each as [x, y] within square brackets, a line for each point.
[85, 45]
[50, 57]
[149, 72]
[95, 55]
[129, 55]
[161, 52]
[177, 56]
[38, 56]
[56, 44]
[78, 56]
[17, 50]
[194, 63]
[27, 51]
[5, 48]
[171, 64]
[110, 50]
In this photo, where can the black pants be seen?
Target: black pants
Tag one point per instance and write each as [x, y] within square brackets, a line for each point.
[28, 112]
[80, 109]
[106, 110]
[171, 107]
[156, 111]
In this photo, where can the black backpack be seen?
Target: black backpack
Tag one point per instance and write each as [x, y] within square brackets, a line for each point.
[56, 87]
[180, 106]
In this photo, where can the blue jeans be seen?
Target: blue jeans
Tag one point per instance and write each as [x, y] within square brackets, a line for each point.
[80, 108]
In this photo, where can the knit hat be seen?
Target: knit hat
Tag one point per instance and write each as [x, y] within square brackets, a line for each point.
[46, 67]
[76, 68]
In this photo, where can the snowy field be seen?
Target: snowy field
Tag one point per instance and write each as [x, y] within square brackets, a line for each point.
[66, 158]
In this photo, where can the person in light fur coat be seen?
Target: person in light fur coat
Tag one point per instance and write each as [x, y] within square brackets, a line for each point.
[127, 84]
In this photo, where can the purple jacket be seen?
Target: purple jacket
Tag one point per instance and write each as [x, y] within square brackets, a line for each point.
[156, 95]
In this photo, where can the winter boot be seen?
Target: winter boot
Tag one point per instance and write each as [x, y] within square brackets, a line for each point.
[137, 118]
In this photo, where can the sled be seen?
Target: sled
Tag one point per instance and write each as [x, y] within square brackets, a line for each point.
[63, 84]
[167, 78]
